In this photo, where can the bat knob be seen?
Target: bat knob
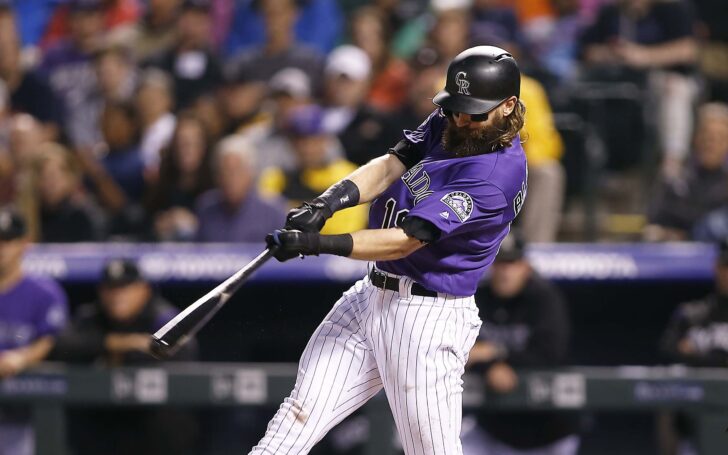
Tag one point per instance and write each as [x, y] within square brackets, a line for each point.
[159, 348]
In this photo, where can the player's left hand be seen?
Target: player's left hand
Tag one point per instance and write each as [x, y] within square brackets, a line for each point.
[291, 243]
[309, 217]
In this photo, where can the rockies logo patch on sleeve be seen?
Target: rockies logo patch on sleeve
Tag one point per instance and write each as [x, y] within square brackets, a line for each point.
[461, 203]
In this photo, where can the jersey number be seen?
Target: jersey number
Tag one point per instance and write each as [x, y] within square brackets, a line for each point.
[390, 218]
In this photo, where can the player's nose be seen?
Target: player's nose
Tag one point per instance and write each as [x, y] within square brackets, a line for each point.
[461, 119]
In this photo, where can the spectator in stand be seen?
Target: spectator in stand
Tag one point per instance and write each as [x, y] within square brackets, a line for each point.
[679, 204]
[209, 109]
[28, 92]
[449, 34]
[714, 46]
[115, 14]
[529, 11]
[363, 131]
[695, 336]
[123, 159]
[32, 312]
[235, 211]
[116, 74]
[249, 28]
[116, 174]
[426, 80]
[154, 104]
[370, 32]
[409, 21]
[654, 39]
[191, 62]
[68, 67]
[64, 215]
[32, 17]
[318, 167]
[185, 173]
[525, 325]
[553, 42]
[242, 100]
[288, 90]
[7, 191]
[156, 32]
[495, 24]
[116, 82]
[541, 216]
[114, 331]
[280, 49]
[24, 138]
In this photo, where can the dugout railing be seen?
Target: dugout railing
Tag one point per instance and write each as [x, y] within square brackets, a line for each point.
[49, 389]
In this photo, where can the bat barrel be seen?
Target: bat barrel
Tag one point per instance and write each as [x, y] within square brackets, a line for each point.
[168, 339]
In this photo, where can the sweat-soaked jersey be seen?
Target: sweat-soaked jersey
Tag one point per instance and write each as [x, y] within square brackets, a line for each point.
[471, 200]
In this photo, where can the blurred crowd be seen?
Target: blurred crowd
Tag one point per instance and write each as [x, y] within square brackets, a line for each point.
[177, 120]
[206, 120]
[527, 325]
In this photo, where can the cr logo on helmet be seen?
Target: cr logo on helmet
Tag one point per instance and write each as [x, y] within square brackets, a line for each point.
[463, 83]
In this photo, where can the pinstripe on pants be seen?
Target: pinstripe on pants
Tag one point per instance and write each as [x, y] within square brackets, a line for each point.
[414, 347]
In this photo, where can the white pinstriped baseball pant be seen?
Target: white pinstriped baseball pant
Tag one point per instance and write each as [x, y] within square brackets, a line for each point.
[414, 347]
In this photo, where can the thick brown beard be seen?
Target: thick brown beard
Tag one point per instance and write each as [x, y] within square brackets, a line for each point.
[463, 142]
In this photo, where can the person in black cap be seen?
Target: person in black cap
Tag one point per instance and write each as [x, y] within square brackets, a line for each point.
[67, 66]
[191, 62]
[525, 325]
[32, 312]
[697, 336]
[115, 330]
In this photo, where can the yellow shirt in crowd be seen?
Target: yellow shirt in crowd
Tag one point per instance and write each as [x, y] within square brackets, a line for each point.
[542, 142]
[273, 183]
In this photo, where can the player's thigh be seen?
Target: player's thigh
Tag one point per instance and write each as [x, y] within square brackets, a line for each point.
[423, 376]
[337, 355]
[337, 374]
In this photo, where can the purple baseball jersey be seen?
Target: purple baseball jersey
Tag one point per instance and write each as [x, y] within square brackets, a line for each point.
[33, 308]
[471, 200]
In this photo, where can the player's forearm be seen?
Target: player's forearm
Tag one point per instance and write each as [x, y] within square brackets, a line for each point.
[376, 176]
[383, 244]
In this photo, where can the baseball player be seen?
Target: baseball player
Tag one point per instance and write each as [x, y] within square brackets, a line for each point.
[442, 200]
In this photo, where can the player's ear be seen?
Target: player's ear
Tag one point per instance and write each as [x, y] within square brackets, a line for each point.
[508, 106]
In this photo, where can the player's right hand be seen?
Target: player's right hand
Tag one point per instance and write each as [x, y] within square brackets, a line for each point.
[290, 244]
[309, 217]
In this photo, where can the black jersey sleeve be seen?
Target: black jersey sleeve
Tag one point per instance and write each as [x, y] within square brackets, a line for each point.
[415, 144]
[407, 152]
[420, 228]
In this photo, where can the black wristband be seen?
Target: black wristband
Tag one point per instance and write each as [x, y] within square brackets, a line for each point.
[340, 245]
[339, 196]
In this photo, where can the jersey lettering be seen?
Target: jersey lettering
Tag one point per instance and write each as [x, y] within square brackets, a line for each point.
[520, 196]
[390, 216]
[417, 182]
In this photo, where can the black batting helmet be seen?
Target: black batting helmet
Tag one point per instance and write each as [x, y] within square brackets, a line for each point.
[479, 79]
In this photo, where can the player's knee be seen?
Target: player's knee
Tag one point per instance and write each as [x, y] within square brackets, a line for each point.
[296, 411]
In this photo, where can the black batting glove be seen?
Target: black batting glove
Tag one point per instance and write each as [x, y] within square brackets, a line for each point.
[309, 217]
[291, 243]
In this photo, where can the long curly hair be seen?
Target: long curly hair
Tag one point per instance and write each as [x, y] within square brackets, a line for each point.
[513, 125]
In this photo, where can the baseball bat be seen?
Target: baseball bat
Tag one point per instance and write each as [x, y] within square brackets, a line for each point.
[166, 341]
